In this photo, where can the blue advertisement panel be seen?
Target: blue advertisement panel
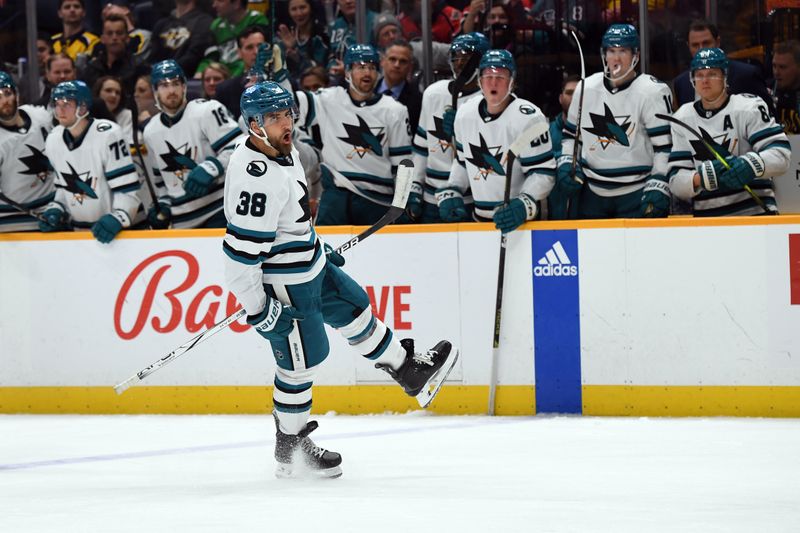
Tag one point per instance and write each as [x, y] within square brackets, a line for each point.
[556, 321]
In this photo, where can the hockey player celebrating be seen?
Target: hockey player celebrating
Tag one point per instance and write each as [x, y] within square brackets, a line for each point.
[290, 287]
[433, 140]
[26, 177]
[364, 137]
[484, 129]
[189, 144]
[96, 182]
[740, 129]
[623, 148]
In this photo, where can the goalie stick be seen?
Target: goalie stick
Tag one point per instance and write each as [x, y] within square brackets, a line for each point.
[405, 175]
[525, 139]
[716, 154]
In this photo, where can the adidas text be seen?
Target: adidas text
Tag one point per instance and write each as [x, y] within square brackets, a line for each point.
[555, 270]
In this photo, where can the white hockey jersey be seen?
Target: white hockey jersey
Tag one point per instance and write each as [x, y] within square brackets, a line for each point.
[269, 238]
[743, 124]
[25, 173]
[94, 174]
[622, 142]
[433, 150]
[482, 142]
[362, 142]
[204, 130]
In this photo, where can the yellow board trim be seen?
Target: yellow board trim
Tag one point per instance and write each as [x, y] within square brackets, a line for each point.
[357, 399]
[674, 400]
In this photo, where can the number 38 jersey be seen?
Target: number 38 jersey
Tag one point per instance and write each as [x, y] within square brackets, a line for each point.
[269, 237]
[95, 175]
[204, 130]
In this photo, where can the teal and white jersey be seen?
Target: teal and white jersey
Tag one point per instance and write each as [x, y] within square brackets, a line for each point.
[482, 142]
[622, 141]
[433, 150]
[203, 131]
[25, 173]
[95, 175]
[362, 142]
[270, 239]
[743, 124]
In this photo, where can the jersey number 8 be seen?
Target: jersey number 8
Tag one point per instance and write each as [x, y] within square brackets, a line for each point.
[254, 204]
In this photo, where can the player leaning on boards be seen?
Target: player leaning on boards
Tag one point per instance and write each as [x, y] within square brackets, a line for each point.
[25, 174]
[188, 146]
[485, 128]
[290, 288]
[96, 182]
[364, 137]
[624, 148]
[433, 140]
[740, 129]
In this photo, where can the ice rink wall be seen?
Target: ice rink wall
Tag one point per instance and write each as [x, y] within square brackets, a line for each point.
[670, 317]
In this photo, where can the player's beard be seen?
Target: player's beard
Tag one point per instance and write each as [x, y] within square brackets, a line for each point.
[8, 112]
[283, 144]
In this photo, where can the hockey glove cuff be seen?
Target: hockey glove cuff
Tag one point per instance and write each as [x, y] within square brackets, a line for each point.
[448, 121]
[55, 219]
[274, 322]
[333, 256]
[509, 217]
[414, 205]
[710, 171]
[159, 216]
[451, 206]
[105, 229]
[655, 197]
[569, 185]
[744, 169]
[200, 178]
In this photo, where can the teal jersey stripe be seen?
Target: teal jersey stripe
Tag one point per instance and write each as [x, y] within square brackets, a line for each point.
[265, 235]
[127, 169]
[225, 139]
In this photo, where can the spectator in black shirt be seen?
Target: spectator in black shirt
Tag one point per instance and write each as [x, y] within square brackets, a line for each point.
[184, 36]
[786, 70]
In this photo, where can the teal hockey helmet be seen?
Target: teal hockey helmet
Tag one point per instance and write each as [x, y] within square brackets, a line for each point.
[6, 81]
[169, 69]
[361, 53]
[498, 59]
[620, 36]
[72, 90]
[265, 97]
[709, 58]
[474, 42]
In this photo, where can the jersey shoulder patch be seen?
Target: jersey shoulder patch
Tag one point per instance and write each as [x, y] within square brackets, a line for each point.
[257, 168]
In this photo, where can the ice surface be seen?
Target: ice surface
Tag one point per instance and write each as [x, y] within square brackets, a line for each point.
[401, 473]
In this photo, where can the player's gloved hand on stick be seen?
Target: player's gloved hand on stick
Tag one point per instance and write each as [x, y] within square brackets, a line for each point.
[414, 205]
[655, 197]
[54, 220]
[710, 171]
[448, 120]
[274, 323]
[159, 216]
[106, 228]
[451, 206]
[200, 178]
[509, 217]
[569, 186]
[744, 169]
[333, 256]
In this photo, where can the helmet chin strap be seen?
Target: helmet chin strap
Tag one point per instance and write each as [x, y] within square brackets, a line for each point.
[362, 94]
[180, 107]
[508, 92]
[722, 94]
[263, 137]
[78, 118]
[607, 72]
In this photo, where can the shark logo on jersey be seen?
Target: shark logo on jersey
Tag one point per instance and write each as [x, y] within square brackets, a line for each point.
[721, 143]
[486, 158]
[608, 130]
[438, 132]
[177, 160]
[80, 185]
[363, 139]
[304, 204]
[37, 163]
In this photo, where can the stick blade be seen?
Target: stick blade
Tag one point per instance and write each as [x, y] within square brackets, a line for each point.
[125, 385]
[402, 183]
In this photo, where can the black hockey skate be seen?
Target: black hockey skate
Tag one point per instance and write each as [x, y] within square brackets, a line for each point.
[298, 456]
[422, 375]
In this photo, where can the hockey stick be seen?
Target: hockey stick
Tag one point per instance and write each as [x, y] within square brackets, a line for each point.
[464, 77]
[526, 137]
[136, 144]
[22, 208]
[716, 154]
[580, 114]
[405, 176]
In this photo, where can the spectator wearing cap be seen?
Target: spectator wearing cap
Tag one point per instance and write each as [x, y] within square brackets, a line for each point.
[304, 43]
[73, 40]
[786, 70]
[183, 36]
[342, 32]
[397, 60]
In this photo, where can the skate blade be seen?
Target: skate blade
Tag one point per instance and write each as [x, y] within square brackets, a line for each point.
[426, 396]
[284, 471]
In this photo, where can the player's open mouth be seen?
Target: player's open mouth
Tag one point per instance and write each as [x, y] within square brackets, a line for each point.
[287, 137]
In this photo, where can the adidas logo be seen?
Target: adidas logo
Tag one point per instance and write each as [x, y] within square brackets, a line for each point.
[555, 263]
